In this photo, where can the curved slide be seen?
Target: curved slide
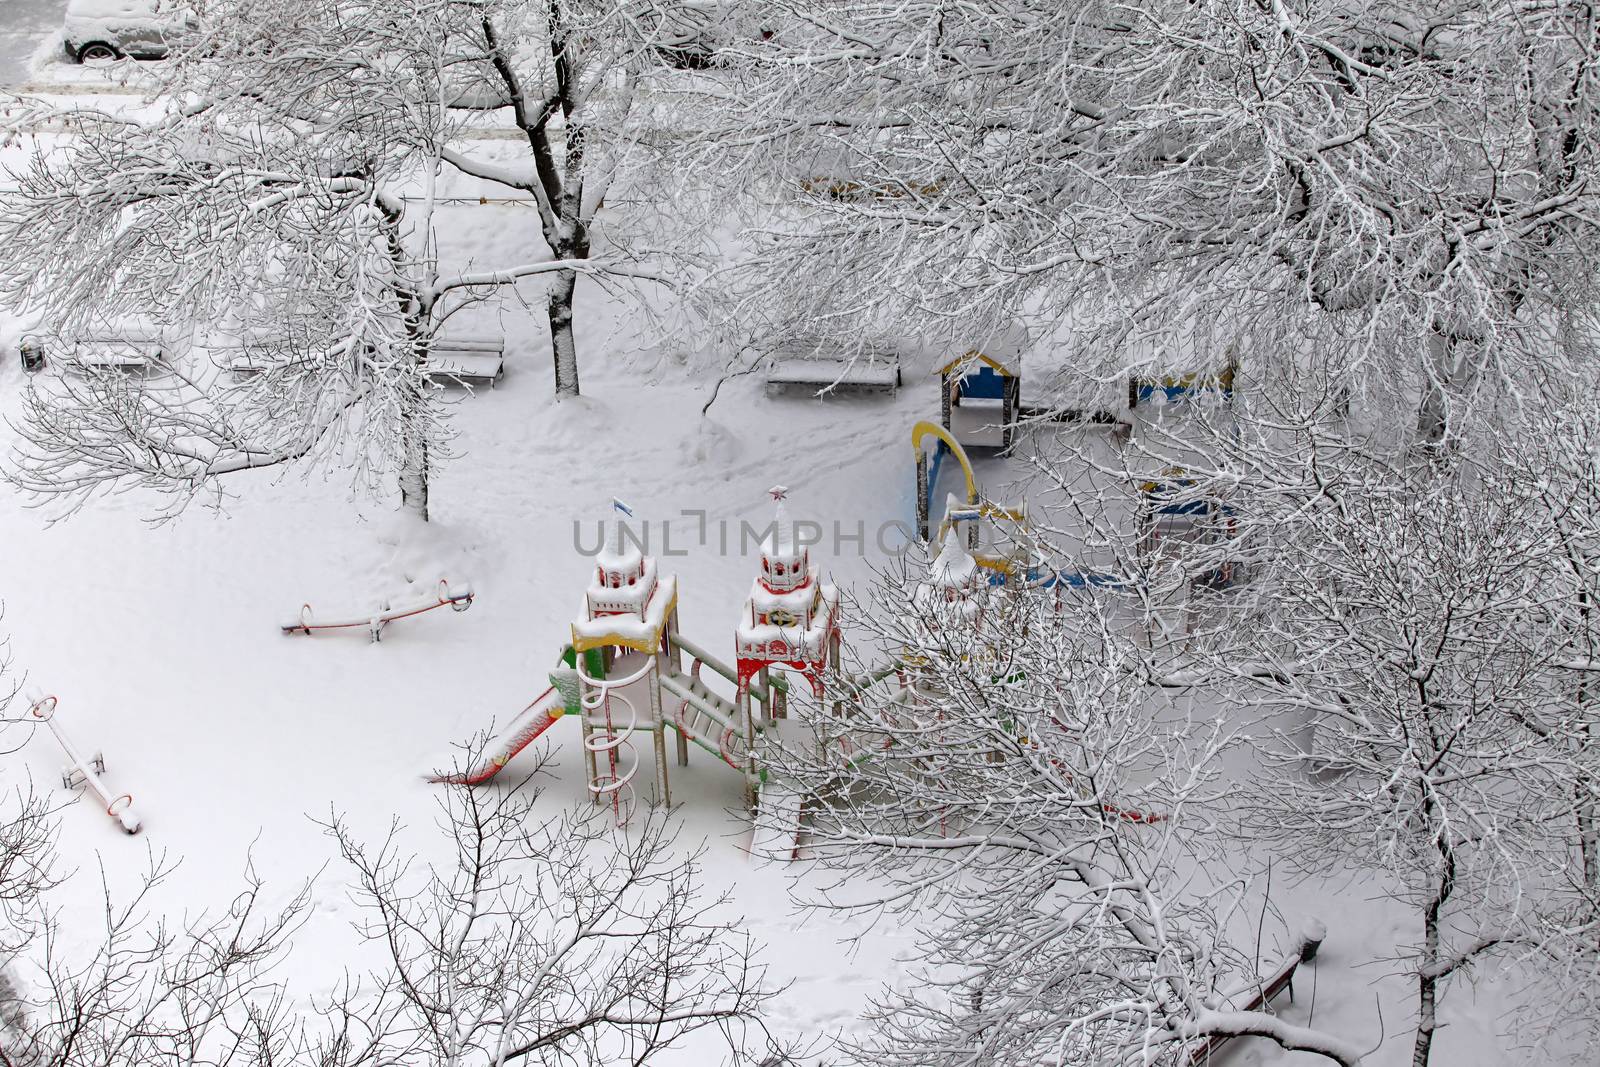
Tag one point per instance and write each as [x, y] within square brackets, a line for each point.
[529, 723]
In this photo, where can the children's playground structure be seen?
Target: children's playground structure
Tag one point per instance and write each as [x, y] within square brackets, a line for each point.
[630, 676]
[981, 409]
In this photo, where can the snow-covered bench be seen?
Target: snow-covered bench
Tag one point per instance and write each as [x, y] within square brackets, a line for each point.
[133, 353]
[467, 360]
[818, 373]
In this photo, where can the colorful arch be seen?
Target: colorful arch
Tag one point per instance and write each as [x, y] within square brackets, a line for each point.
[921, 430]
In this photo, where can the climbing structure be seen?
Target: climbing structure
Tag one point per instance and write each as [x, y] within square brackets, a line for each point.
[791, 618]
[630, 614]
[969, 509]
[790, 621]
[984, 383]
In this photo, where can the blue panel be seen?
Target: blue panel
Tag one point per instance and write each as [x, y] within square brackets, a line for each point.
[1188, 507]
[1176, 390]
[987, 384]
[933, 480]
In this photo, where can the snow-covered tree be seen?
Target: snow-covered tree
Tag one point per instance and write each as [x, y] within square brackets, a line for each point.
[550, 941]
[1395, 187]
[1023, 796]
[1417, 637]
[284, 190]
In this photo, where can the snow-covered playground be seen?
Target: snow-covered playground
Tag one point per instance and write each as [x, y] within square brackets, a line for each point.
[1041, 656]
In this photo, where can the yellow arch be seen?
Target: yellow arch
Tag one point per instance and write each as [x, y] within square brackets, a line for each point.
[923, 429]
[972, 355]
[989, 511]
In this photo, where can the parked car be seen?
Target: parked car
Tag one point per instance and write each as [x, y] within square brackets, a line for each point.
[98, 31]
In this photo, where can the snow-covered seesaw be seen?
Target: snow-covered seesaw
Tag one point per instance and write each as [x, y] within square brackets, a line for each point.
[456, 599]
[87, 774]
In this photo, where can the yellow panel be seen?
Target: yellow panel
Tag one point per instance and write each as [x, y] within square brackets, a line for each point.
[648, 644]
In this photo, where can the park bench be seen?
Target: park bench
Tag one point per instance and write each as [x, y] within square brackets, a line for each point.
[467, 360]
[132, 352]
[873, 370]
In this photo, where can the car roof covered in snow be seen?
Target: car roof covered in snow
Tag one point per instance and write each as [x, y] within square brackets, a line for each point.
[111, 8]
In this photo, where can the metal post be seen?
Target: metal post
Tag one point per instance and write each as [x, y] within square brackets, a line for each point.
[835, 648]
[590, 662]
[1011, 395]
[674, 656]
[659, 740]
[924, 490]
[748, 724]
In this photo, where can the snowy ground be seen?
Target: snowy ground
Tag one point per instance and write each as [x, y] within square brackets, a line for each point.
[23, 23]
[162, 642]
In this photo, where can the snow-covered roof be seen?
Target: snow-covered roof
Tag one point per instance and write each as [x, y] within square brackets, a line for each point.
[780, 542]
[642, 634]
[1002, 349]
[954, 566]
[795, 601]
[112, 8]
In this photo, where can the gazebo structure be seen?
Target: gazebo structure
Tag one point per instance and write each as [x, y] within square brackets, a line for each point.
[1173, 390]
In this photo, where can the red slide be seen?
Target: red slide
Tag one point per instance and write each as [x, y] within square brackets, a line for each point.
[530, 722]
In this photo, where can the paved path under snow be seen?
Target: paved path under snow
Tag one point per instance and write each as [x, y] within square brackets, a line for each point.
[22, 24]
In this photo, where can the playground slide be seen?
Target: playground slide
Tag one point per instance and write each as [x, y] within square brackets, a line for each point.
[778, 823]
[532, 721]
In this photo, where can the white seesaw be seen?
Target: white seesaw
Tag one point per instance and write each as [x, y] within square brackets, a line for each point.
[87, 773]
[375, 621]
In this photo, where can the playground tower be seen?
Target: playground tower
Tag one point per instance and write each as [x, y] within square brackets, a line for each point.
[954, 579]
[791, 618]
[948, 602]
[630, 617]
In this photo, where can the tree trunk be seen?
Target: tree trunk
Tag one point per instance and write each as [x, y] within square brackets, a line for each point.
[1427, 1003]
[1455, 360]
[562, 345]
[415, 462]
[1428, 974]
[415, 469]
[1588, 825]
[1433, 413]
[1588, 832]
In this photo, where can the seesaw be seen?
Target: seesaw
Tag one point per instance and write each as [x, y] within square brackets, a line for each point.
[376, 620]
[87, 773]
